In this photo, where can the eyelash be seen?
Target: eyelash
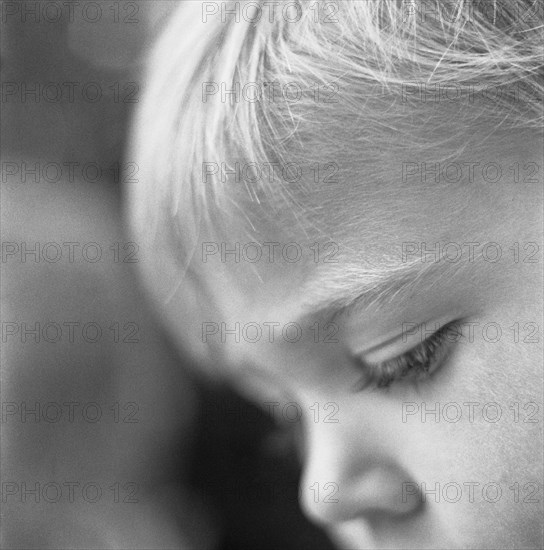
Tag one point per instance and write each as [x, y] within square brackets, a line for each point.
[417, 363]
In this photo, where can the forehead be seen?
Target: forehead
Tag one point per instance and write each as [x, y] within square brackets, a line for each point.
[343, 234]
[369, 216]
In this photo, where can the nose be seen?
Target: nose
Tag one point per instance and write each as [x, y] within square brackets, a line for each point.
[348, 475]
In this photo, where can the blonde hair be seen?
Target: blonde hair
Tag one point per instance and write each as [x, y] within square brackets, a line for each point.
[376, 54]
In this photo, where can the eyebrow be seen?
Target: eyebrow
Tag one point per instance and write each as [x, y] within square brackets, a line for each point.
[342, 292]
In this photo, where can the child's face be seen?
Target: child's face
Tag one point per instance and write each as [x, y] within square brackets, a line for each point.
[370, 455]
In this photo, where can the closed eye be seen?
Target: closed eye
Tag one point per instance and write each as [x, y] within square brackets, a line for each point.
[417, 364]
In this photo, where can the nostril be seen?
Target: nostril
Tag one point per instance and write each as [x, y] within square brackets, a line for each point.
[377, 495]
[385, 495]
[376, 516]
[411, 501]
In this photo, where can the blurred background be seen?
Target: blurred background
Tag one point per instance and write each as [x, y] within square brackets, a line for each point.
[93, 52]
[71, 76]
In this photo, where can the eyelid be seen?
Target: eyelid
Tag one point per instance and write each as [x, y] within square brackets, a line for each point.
[401, 344]
[398, 369]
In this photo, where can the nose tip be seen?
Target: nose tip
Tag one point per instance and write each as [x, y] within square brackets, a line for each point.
[375, 493]
[346, 478]
[321, 502]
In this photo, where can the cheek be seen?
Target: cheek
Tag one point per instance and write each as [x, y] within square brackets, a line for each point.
[483, 428]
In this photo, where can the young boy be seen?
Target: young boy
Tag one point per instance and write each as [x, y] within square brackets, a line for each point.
[339, 208]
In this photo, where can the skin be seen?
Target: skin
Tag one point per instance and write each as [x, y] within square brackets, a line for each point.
[366, 458]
